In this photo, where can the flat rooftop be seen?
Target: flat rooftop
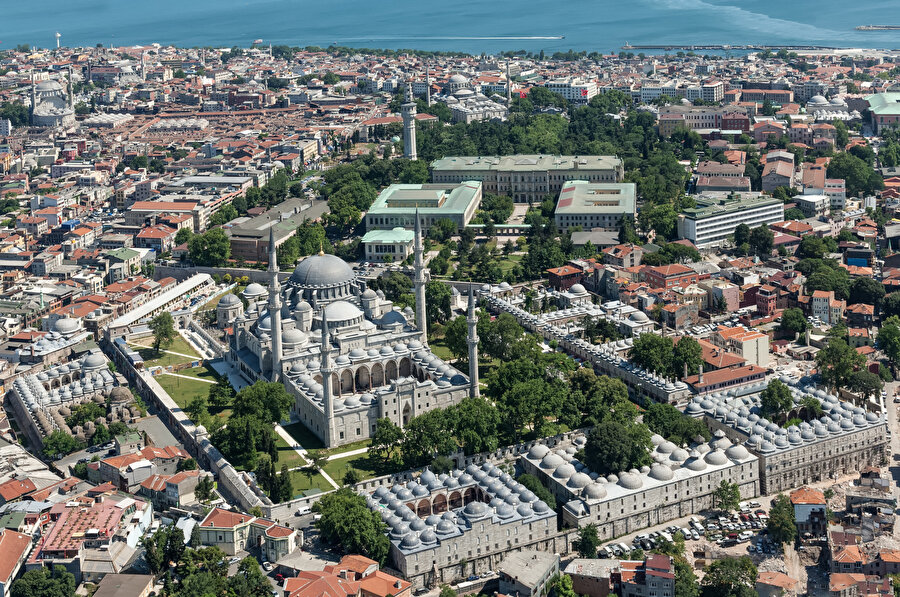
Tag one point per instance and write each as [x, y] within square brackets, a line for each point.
[580, 196]
[431, 199]
[710, 206]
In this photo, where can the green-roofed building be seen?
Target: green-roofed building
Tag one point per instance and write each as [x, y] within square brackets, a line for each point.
[396, 243]
[397, 205]
[594, 205]
[885, 109]
[716, 216]
[527, 178]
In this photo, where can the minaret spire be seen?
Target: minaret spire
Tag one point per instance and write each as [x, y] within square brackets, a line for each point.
[71, 93]
[274, 306]
[472, 341]
[427, 85]
[508, 85]
[408, 112]
[33, 98]
[327, 369]
[421, 321]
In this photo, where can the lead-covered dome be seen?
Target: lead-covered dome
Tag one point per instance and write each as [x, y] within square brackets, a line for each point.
[322, 271]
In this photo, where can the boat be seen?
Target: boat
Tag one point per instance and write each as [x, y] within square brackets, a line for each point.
[878, 28]
[258, 41]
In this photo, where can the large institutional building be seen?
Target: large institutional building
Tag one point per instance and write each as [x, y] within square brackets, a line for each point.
[716, 216]
[343, 351]
[400, 204]
[844, 440]
[443, 527]
[594, 205]
[680, 482]
[527, 178]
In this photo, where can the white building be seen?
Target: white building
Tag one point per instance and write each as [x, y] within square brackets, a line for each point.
[594, 205]
[716, 216]
[574, 90]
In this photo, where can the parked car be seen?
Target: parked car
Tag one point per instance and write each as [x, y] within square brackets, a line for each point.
[268, 566]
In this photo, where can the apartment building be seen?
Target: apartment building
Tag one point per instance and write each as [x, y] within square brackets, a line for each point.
[575, 90]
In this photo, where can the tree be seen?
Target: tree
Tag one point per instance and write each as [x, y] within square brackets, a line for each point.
[266, 401]
[859, 176]
[438, 301]
[183, 235]
[476, 423]
[727, 496]
[588, 542]
[685, 580]
[163, 328]
[348, 521]
[212, 248]
[45, 582]
[781, 525]
[730, 577]
[891, 305]
[866, 383]
[654, 353]
[888, 339]
[59, 444]
[669, 422]
[837, 361]
[204, 489]
[456, 334]
[762, 240]
[174, 545]
[866, 290]
[316, 459]
[687, 356]
[222, 393]
[562, 586]
[195, 537]
[351, 477]
[741, 234]
[793, 322]
[537, 488]
[386, 438]
[776, 399]
[442, 229]
[612, 447]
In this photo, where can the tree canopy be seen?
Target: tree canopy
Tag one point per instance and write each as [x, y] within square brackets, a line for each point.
[347, 521]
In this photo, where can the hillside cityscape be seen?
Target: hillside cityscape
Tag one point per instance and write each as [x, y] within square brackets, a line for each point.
[330, 321]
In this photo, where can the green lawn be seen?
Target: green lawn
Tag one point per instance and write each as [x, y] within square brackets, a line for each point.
[164, 359]
[183, 391]
[304, 436]
[363, 443]
[200, 373]
[301, 483]
[509, 262]
[286, 454]
[368, 467]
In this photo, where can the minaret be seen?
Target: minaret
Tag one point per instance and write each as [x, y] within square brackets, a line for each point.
[420, 282]
[428, 85]
[327, 369]
[408, 111]
[472, 341]
[71, 93]
[274, 307]
[143, 68]
[33, 98]
[508, 85]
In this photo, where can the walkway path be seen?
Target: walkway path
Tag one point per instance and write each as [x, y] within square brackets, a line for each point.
[187, 377]
[356, 452]
[187, 335]
[302, 452]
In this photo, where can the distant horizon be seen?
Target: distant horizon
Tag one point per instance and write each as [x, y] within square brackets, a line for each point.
[467, 26]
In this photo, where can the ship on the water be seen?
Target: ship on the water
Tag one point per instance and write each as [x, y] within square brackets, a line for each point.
[878, 28]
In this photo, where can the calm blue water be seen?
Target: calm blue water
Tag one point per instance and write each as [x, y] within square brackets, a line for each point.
[601, 25]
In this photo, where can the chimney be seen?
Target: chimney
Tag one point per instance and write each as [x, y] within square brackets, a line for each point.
[398, 584]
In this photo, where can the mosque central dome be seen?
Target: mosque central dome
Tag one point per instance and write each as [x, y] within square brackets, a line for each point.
[322, 271]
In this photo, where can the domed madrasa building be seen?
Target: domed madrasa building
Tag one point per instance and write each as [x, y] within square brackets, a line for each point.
[342, 350]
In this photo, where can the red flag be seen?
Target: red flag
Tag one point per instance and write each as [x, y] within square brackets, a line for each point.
[523, 94]
[584, 92]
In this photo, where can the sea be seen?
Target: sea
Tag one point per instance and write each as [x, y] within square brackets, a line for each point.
[472, 26]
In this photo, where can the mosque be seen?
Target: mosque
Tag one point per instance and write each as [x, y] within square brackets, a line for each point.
[51, 105]
[343, 351]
